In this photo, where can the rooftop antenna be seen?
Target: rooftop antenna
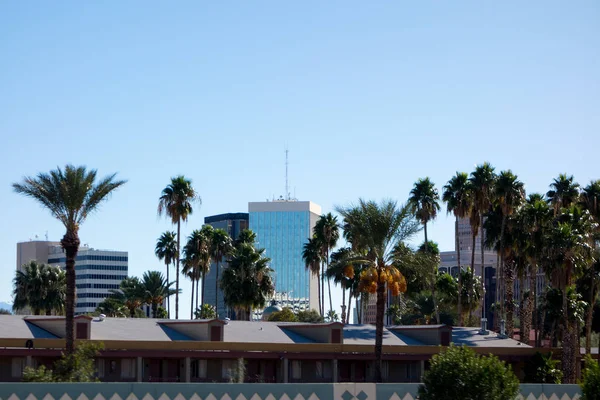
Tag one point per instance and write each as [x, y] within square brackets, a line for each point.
[287, 191]
[46, 236]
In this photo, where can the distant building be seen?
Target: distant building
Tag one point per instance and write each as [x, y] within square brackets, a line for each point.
[96, 271]
[233, 224]
[282, 228]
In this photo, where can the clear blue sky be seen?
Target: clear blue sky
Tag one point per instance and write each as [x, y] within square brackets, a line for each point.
[367, 97]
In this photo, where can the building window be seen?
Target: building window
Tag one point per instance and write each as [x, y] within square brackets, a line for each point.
[128, 368]
[18, 364]
[100, 368]
[296, 369]
[323, 370]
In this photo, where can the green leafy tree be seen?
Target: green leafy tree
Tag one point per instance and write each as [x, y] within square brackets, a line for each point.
[176, 202]
[543, 369]
[374, 229]
[326, 231]
[70, 195]
[76, 367]
[112, 307]
[456, 195]
[206, 311]
[285, 315]
[166, 250]
[590, 385]
[247, 281]
[459, 373]
[310, 316]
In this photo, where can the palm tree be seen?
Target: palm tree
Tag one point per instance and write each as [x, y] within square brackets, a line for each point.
[247, 281]
[195, 252]
[311, 254]
[155, 288]
[424, 201]
[376, 229]
[29, 288]
[590, 200]
[191, 271]
[569, 242]
[327, 232]
[55, 282]
[509, 194]
[482, 184]
[456, 196]
[563, 192]
[133, 294]
[428, 257]
[537, 216]
[176, 202]
[221, 247]
[70, 195]
[166, 249]
[341, 271]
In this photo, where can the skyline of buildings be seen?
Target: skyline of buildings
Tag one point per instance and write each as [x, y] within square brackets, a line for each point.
[97, 272]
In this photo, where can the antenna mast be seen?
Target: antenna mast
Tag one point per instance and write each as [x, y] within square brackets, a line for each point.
[287, 191]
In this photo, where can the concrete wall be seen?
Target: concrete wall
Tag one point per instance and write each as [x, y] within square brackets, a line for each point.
[169, 391]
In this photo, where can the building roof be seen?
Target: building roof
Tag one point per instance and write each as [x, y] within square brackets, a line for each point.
[148, 329]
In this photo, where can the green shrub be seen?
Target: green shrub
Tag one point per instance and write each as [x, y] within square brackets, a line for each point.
[590, 386]
[285, 315]
[543, 369]
[77, 367]
[459, 373]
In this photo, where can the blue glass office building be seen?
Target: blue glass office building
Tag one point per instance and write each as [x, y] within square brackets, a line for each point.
[282, 228]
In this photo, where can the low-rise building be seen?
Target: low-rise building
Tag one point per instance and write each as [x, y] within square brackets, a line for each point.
[154, 350]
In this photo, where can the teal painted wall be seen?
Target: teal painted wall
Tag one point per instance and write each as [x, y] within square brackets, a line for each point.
[225, 391]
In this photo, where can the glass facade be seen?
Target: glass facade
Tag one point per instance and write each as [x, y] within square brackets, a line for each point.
[283, 234]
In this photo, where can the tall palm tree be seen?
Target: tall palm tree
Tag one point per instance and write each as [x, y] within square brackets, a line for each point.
[342, 271]
[482, 184]
[537, 217]
[192, 262]
[166, 249]
[590, 200]
[376, 228]
[176, 203]
[569, 242]
[424, 201]
[563, 192]
[221, 247]
[327, 232]
[247, 281]
[456, 196]
[205, 248]
[509, 194]
[70, 195]
[311, 254]
[156, 289]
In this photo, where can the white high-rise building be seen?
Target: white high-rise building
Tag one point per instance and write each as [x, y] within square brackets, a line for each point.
[96, 271]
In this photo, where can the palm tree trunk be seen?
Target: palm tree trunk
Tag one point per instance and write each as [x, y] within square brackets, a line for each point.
[588, 319]
[349, 306]
[168, 297]
[472, 277]
[70, 243]
[483, 310]
[500, 277]
[203, 286]
[155, 308]
[358, 311]
[319, 295]
[568, 343]
[192, 301]
[531, 310]
[177, 269]
[509, 290]
[323, 288]
[343, 303]
[459, 305]
[217, 290]
[379, 330]
[425, 231]
[329, 283]
[525, 316]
